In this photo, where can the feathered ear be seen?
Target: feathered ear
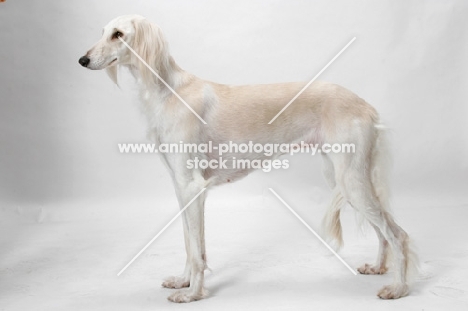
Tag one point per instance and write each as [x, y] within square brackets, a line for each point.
[112, 73]
[150, 45]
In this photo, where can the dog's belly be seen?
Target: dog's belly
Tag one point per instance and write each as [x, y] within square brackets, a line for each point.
[235, 164]
[229, 174]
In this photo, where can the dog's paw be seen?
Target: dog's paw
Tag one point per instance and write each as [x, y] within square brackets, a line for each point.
[371, 269]
[393, 291]
[185, 296]
[175, 282]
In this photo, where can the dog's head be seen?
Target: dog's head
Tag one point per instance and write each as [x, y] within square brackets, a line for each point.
[143, 37]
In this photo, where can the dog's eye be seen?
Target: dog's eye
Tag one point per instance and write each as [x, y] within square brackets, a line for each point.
[117, 34]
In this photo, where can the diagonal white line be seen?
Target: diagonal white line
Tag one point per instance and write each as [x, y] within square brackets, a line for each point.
[159, 233]
[312, 230]
[164, 82]
[316, 76]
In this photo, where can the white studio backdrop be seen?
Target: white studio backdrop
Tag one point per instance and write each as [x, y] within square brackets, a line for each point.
[60, 124]
[73, 210]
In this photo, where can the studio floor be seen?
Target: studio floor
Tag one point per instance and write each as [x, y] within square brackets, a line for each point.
[67, 256]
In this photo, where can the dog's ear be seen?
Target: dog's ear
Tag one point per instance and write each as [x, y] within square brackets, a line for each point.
[112, 73]
[150, 45]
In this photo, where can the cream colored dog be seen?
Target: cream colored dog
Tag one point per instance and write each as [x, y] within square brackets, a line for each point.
[323, 113]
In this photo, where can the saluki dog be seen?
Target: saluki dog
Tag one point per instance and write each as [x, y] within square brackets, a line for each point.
[323, 113]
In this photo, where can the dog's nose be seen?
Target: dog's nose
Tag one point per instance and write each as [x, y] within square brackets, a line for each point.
[84, 61]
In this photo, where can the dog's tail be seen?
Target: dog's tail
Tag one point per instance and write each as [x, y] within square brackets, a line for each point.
[380, 163]
[331, 224]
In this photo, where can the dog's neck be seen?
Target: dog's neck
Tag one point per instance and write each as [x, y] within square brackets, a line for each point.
[168, 71]
[171, 73]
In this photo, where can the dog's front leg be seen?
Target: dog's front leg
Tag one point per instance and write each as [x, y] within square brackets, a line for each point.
[184, 279]
[193, 218]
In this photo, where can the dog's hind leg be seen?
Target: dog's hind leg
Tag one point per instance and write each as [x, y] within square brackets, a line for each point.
[380, 266]
[329, 171]
[358, 190]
